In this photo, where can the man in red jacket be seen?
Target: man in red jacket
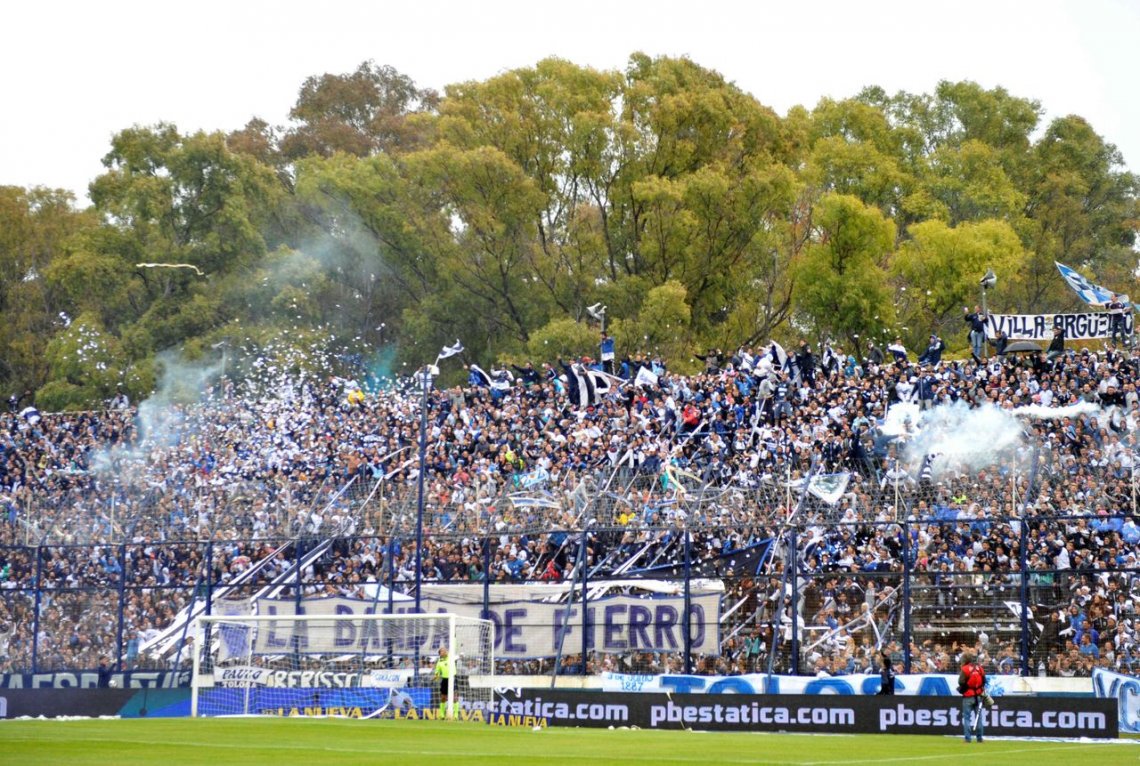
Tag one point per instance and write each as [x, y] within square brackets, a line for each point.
[971, 684]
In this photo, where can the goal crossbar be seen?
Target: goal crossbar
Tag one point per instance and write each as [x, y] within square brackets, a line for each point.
[309, 664]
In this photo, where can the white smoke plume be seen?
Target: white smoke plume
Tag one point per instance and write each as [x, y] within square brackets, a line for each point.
[968, 439]
[1037, 412]
[965, 438]
[161, 417]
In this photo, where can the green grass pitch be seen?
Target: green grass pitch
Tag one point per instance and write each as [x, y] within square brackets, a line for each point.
[217, 742]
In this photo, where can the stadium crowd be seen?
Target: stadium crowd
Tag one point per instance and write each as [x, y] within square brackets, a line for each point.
[156, 507]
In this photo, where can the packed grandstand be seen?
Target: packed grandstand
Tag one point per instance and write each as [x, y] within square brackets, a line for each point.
[851, 504]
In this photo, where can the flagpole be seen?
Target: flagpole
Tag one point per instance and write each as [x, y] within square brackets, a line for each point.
[987, 281]
[896, 490]
[1133, 482]
[425, 382]
[788, 484]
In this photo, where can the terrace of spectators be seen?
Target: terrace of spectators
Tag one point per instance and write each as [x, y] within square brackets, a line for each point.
[109, 532]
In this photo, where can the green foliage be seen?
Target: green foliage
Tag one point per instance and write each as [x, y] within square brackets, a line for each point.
[387, 216]
[562, 338]
[362, 112]
[37, 226]
[662, 327]
[61, 395]
[938, 272]
[86, 364]
[841, 281]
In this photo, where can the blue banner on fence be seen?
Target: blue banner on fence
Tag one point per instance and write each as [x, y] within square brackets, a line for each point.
[1125, 690]
[90, 679]
[923, 684]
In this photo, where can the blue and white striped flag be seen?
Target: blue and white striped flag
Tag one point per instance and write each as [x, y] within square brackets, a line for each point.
[500, 380]
[828, 487]
[1090, 293]
[450, 350]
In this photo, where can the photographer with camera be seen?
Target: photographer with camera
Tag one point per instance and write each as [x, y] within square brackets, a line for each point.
[972, 687]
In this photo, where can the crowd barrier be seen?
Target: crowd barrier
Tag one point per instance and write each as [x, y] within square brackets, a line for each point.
[830, 619]
[922, 704]
[822, 714]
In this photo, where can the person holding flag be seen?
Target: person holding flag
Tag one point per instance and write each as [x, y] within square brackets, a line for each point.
[1118, 305]
[1117, 309]
[898, 351]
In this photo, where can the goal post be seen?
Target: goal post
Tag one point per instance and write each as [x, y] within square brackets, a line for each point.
[344, 665]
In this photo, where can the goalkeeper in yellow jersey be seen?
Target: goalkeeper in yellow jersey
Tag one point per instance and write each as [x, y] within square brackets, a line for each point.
[444, 668]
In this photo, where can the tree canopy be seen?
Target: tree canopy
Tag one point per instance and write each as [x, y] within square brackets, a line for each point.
[391, 217]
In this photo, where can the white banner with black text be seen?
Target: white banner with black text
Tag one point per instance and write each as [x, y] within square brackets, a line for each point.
[1039, 327]
[523, 629]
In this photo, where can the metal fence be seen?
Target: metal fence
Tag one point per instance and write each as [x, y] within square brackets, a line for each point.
[804, 598]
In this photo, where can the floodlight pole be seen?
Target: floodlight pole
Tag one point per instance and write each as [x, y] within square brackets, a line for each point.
[424, 379]
[989, 280]
[425, 386]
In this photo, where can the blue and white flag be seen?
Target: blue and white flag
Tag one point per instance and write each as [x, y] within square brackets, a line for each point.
[828, 487]
[540, 499]
[607, 349]
[533, 478]
[450, 350]
[586, 387]
[646, 378]
[478, 377]
[31, 415]
[1090, 293]
[502, 380]
[829, 360]
[499, 380]
[778, 356]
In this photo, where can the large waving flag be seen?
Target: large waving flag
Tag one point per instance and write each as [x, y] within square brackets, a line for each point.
[500, 380]
[778, 356]
[1090, 293]
[647, 378]
[586, 387]
[449, 351]
[478, 377]
[828, 487]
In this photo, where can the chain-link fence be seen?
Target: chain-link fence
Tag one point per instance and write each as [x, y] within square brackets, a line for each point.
[804, 593]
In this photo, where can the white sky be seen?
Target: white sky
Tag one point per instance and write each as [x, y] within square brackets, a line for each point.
[74, 73]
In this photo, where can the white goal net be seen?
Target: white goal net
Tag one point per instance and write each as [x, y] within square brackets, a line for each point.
[430, 666]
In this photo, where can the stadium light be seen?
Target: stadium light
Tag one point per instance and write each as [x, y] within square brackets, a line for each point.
[987, 282]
